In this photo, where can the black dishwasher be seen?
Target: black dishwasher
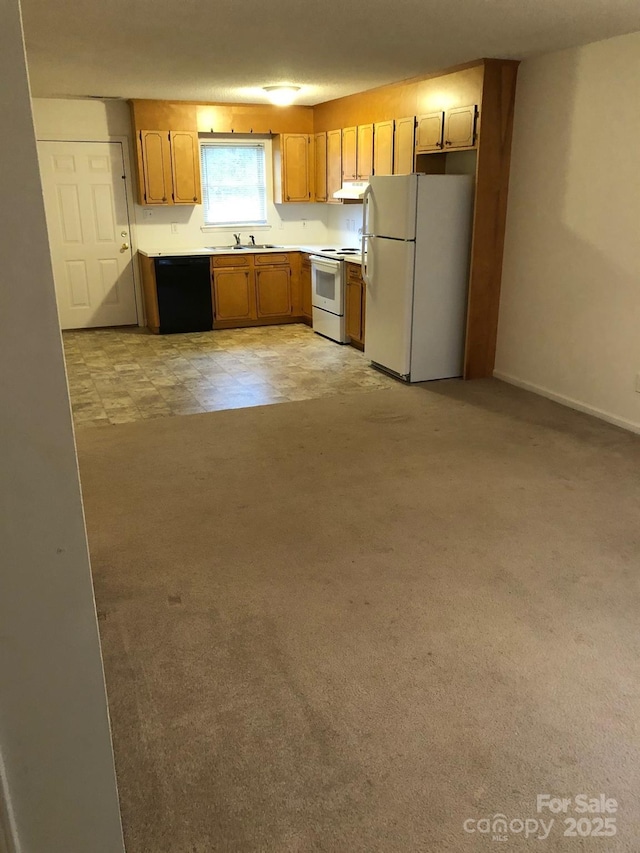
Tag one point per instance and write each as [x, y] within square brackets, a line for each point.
[184, 294]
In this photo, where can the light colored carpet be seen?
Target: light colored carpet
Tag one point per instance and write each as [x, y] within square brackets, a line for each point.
[350, 624]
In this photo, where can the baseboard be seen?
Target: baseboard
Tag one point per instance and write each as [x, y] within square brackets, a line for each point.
[568, 401]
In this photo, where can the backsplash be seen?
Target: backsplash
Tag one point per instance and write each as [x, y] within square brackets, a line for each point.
[182, 227]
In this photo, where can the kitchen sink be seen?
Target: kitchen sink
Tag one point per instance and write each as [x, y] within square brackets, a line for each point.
[247, 246]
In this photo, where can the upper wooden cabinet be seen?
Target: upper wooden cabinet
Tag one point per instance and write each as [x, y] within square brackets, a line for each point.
[383, 148]
[154, 164]
[292, 168]
[429, 128]
[334, 164]
[364, 152]
[168, 167]
[460, 127]
[321, 166]
[185, 166]
[349, 153]
[404, 146]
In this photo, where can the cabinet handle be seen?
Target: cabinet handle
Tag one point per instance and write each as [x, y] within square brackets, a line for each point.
[195, 198]
[439, 145]
[447, 142]
[164, 198]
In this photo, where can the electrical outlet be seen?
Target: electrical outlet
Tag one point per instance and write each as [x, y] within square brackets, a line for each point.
[347, 225]
[147, 213]
[304, 223]
[353, 225]
[638, 382]
[174, 227]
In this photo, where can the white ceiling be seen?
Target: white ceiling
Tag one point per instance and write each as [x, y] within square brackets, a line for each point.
[225, 50]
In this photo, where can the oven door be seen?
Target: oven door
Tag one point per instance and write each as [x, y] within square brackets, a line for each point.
[326, 285]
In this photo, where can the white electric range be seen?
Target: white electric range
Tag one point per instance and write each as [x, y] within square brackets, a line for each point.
[328, 291]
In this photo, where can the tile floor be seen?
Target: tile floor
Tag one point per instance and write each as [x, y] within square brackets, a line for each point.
[123, 375]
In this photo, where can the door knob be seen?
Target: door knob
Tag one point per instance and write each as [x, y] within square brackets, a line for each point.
[124, 247]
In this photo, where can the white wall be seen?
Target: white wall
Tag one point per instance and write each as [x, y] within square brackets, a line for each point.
[94, 120]
[56, 764]
[570, 307]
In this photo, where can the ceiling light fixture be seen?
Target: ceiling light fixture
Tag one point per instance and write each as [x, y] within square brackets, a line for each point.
[282, 96]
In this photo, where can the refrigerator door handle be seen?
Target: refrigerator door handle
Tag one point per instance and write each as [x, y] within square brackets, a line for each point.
[365, 232]
[363, 266]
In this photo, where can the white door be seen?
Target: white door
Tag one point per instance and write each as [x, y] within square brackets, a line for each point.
[389, 283]
[88, 222]
[390, 206]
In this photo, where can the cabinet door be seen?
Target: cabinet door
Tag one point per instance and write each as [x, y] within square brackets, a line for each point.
[321, 166]
[349, 153]
[155, 154]
[232, 294]
[403, 146]
[305, 286]
[185, 162]
[429, 132]
[383, 148]
[295, 166]
[365, 152]
[334, 164]
[460, 127]
[273, 292]
[353, 309]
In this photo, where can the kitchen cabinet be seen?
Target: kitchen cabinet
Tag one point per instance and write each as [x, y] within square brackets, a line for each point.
[364, 152]
[255, 289]
[292, 166]
[355, 305]
[334, 164]
[305, 286]
[349, 153]
[460, 127]
[429, 130]
[320, 157]
[383, 147]
[404, 146]
[273, 292]
[168, 167]
[233, 296]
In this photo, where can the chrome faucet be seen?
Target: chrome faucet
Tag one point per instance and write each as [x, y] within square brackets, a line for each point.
[237, 239]
[252, 239]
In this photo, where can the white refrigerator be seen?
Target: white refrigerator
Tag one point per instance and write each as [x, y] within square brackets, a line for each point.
[417, 238]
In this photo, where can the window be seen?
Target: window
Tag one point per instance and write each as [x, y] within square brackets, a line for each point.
[234, 190]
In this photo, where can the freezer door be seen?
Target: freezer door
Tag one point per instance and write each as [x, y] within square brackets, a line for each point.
[390, 267]
[391, 206]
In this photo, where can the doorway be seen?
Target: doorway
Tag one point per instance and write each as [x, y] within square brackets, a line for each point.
[85, 197]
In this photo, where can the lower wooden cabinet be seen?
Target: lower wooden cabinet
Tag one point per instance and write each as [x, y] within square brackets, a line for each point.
[257, 289]
[233, 295]
[355, 306]
[305, 287]
[273, 292]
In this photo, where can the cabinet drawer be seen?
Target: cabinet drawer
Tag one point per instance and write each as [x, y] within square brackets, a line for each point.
[231, 260]
[272, 259]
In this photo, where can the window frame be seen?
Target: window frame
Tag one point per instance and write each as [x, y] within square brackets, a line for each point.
[205, 142]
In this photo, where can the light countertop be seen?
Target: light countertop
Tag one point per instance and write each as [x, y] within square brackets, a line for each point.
[191, 252]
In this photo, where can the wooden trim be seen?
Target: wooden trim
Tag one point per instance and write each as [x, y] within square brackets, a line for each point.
[489, 218]
[259, 321]
[150, 292]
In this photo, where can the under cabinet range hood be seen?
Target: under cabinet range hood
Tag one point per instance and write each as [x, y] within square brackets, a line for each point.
[352, 190]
